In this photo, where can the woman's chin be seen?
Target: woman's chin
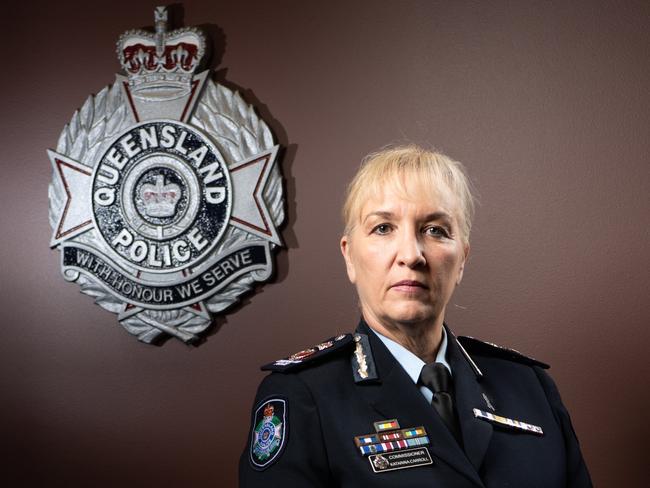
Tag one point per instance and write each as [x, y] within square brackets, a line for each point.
[412, 314]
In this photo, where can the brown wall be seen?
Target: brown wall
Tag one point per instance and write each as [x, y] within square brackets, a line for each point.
[547, 103]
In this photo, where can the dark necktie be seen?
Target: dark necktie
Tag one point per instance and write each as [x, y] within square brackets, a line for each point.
[437, 378]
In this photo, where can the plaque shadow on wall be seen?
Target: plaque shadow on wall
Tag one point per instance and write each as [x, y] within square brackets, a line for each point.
[216, 48]
[286, 157]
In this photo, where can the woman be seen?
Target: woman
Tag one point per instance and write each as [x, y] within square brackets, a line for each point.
[402, 401]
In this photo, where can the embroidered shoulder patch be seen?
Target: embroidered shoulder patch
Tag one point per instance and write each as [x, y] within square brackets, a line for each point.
[310, 354]
[269, 432]
[487, 348]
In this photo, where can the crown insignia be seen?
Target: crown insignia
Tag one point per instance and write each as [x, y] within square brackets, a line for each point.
[160, 200]
[161, 59]
[268, 410]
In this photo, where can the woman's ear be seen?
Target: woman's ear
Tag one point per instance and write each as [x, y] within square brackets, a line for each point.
[461, 269]
[349, 265]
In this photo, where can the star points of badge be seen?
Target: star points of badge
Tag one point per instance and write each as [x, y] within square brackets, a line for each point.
[165, 197]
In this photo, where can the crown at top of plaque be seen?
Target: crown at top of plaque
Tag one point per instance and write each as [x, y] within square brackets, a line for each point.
[160, 58]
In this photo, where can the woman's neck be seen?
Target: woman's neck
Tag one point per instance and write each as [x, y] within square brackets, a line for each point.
[421, 338]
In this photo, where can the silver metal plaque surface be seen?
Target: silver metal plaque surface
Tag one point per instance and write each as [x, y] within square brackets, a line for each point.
[165, 196]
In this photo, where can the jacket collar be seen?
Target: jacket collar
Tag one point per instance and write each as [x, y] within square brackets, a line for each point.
[394, 395]
[469, 394]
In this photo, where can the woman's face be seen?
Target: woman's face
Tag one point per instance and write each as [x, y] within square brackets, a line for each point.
[406, 256]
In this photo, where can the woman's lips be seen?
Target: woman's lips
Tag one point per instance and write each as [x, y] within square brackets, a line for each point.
[409, 286]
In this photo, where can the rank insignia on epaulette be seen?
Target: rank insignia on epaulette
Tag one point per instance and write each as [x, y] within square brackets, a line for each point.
[506, 422]
[309, 354]
[391, 448]
[300, 355]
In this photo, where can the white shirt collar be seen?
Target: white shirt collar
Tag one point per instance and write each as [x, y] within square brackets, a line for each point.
[413, 364]
[409, 361]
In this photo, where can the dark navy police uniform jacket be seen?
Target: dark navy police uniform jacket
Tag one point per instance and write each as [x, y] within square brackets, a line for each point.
[308, 412]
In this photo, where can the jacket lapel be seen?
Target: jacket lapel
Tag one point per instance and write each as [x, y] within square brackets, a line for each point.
[468, 395]
[394, 395]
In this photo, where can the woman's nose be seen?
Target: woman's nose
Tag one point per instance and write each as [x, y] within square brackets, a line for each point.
[410, 252]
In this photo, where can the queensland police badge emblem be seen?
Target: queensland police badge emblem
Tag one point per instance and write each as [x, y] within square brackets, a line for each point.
[269, 433]
[165, 197]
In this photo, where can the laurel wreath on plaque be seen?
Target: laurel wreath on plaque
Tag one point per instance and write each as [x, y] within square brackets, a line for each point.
[237, 132]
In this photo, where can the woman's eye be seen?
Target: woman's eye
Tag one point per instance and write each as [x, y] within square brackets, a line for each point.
[381, 229]
[436, 231]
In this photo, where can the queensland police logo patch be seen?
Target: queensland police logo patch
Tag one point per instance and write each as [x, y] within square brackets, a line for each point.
[269, 432]
[165, 197]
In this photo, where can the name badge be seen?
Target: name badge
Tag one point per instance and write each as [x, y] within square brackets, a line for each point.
[410, 458]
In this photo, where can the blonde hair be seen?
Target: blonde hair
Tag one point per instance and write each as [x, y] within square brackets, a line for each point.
[400, 165]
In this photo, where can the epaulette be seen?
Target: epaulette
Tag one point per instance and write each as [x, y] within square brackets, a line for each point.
[489, 349]
[310, 355]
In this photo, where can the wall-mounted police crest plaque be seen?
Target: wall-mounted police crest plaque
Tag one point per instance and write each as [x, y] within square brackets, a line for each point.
[165, 197]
